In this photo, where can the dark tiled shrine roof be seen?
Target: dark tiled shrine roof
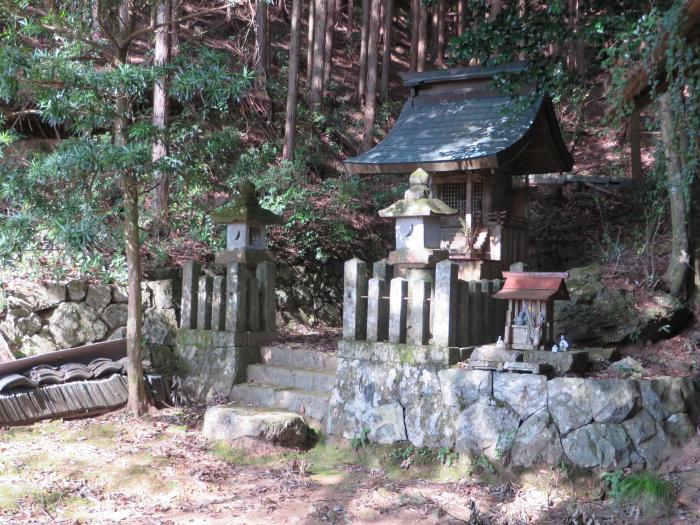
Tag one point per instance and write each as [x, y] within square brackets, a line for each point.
[458, 129]
[22, 406]
[69, 383]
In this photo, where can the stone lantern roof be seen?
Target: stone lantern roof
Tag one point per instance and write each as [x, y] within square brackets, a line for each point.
[417, 201]
[246, 208]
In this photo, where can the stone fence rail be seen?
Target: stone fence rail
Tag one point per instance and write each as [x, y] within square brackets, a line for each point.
[241, 301]
[449, 313]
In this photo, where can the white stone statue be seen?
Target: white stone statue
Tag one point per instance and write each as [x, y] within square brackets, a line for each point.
[500, 344]
[563, 343]
[555, 347]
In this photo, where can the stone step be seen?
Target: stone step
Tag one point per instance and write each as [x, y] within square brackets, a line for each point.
[282, 355]
[286, 376]
[315, 404]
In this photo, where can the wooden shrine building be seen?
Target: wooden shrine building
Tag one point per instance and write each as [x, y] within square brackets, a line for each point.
[474, 141]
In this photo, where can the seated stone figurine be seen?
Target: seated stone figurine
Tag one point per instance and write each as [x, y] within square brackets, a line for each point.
[555, 347]
[563, 344]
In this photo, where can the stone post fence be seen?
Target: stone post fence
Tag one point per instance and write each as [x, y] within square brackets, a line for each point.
[447, 313]
[224, 320]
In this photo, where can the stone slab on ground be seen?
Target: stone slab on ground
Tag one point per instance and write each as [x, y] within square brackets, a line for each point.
[229, 422]
[493, 353]
[495, 366]
[525, 368]
[285, 376]
[283, 355]
[311, 404]
[383, 352]
[572, 362]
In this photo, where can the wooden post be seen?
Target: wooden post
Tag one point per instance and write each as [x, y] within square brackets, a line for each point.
[462, 317]
[483, 319]
[495, 310]
[354, 306]
[474, 325]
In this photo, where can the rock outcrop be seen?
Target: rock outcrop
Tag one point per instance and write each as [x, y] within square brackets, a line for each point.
[598, 314]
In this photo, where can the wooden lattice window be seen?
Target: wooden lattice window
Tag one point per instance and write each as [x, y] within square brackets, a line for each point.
[478, 197]
[454, 194]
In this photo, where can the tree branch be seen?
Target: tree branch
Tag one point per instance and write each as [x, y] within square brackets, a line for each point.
[153, 26]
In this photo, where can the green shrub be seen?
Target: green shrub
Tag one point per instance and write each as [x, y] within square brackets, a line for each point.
[649, 491]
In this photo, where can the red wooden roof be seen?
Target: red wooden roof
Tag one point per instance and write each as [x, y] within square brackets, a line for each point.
[538, 286]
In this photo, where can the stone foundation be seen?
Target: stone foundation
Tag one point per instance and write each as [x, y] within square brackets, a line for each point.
[410, 393]
[210, 362]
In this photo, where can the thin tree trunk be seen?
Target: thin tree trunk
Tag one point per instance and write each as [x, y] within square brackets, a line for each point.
[372, 58]
[676, 276]
[310, 40]
[351, 19]
[496, 8]
[292, 84]
[95, 20]
[261, 42]
[434, 25]
[362, 80]
[440, 58]
[175, 29]
[386, 56]
[328, 51]
[635, 146]
[138, 403]
[694, 232]
[318, 62]
[160, 109]
[422, 36]
[415, 20]
[461, 17]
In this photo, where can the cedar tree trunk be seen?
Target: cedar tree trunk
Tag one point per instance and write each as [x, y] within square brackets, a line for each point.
[318, 62]
[372, 59]
[386, 56]
[292, 84]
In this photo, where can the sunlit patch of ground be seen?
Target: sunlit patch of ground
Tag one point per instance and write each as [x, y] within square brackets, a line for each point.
[159, 470]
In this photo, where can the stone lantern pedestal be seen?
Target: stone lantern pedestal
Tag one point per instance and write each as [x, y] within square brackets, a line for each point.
[418, 221]
[245, 220]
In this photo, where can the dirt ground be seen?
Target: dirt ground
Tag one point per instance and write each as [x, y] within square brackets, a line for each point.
[159, 470]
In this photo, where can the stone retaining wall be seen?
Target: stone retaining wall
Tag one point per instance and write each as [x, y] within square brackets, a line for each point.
[44, 318]
[412, 394]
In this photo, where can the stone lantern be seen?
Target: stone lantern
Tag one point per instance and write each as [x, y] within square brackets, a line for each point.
[245, 222]
[418, 222]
